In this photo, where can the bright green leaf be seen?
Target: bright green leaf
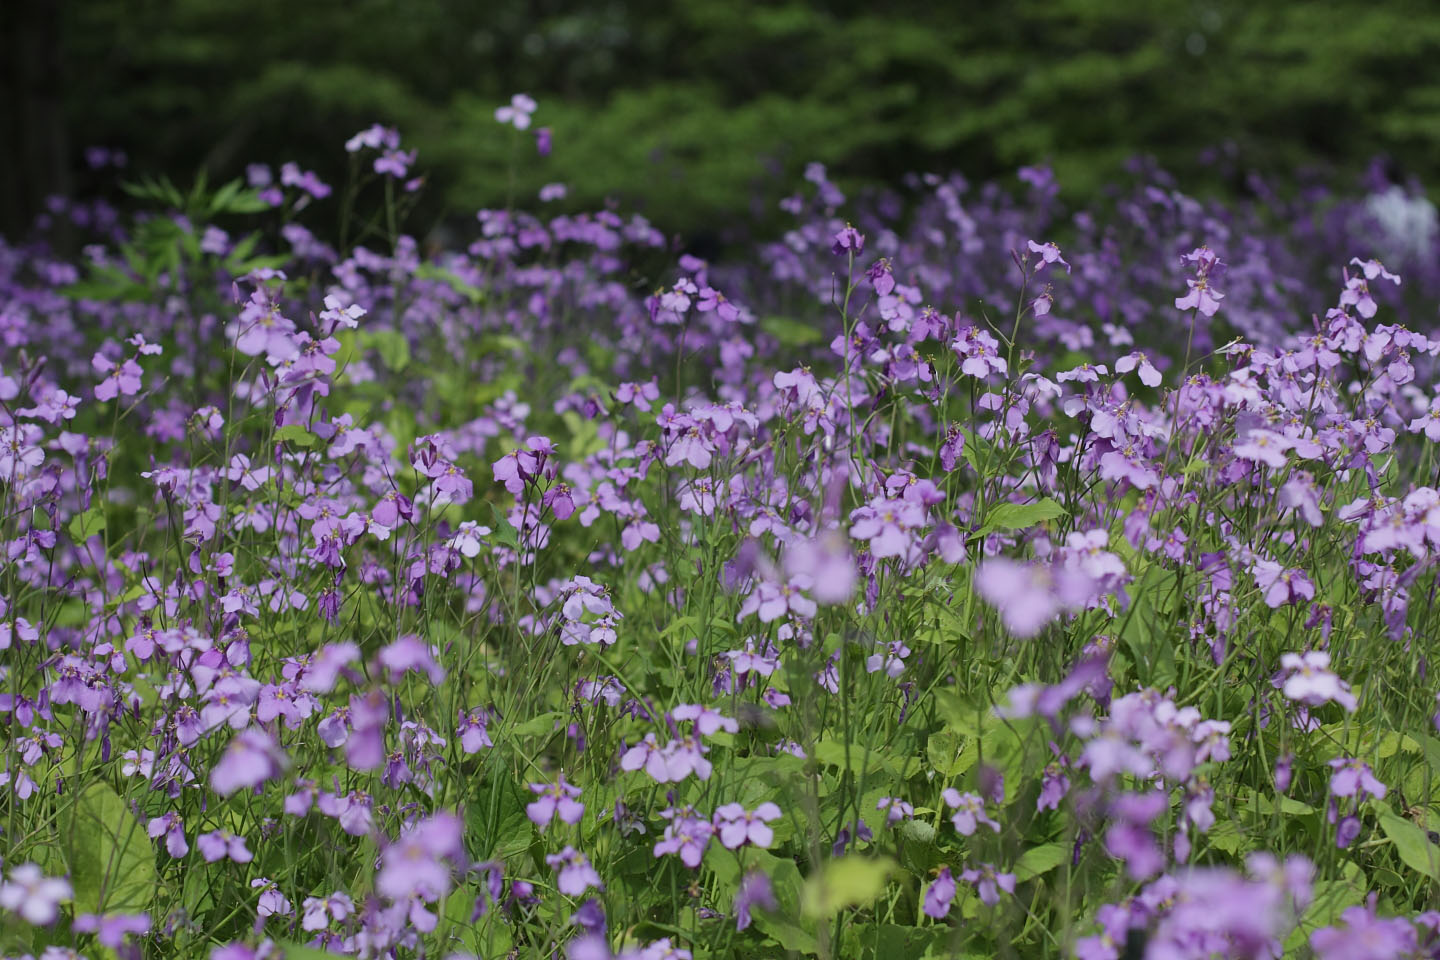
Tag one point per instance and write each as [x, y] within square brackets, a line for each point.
[847, 882]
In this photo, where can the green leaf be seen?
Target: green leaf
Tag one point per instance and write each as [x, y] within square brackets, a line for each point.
[296, 951]
[833, 752]
[1331, 899]
[847, 882]
[392, 346]
[1019, 516]
[949, 754]
[1412, 844]
[85, 525]
[791, 332]
[112, 864]
[297, 435]
[1041, 859]
[505, 531]
[538, 725]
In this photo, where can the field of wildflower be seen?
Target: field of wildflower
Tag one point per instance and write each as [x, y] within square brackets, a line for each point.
[958, 575]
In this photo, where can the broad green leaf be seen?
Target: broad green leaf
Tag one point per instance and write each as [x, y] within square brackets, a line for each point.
[1412, 844]
[950, 754]
[1332, 897]
[847, 882]
[112, 864]
[833, 752]
[791, 332]
[505, 531]
[1020, 516]
[1041, 859]
[85, 525]
[296, 951]
[392, 346]
[297, 435]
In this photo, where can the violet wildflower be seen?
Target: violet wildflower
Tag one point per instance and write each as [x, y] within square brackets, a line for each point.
[111, 929]
[172, 827]
[1049, 253]
[895, 809]
[34, 896]
[969, 813]
[737, 826]
[249, 760]
[271, 903]
[988, 882]
[575, 873]
[319, 912]
[1353, 778]
[1308, 680]
[517, 113]
[559, 798]
[754, 891]
[1362, 935]
[940, 895]
[1201, 297]
[223, 845]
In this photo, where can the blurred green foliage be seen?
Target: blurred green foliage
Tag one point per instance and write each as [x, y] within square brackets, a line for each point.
[690, 110]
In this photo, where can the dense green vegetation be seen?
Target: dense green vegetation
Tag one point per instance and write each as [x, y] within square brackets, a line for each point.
[692, 109]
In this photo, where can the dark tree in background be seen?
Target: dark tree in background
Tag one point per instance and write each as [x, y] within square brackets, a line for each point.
[36, 145]
[691, 110]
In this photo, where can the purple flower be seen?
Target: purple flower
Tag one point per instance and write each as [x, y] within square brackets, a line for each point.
[970, 812]
[1139, 360]
[249, 760]
[1282, 586]
[1361, 935]
[1028, 596]
[221, 845]
[887, 524]
[988, 882]
[576, 874]
[848, 239]
[272, 903]
[111, 929]
[940, 895]
[173, 828]
[517, 113]
[34, 896]
[1201, 297]
[754, 891]
[122, 379]
[1308, 680]
[559, 797]
[737, 826]
[827, 564]
[319, 911]
[1353, 778]
[895, 809]
[687, 835]
[415, 865]
[1049, 253]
